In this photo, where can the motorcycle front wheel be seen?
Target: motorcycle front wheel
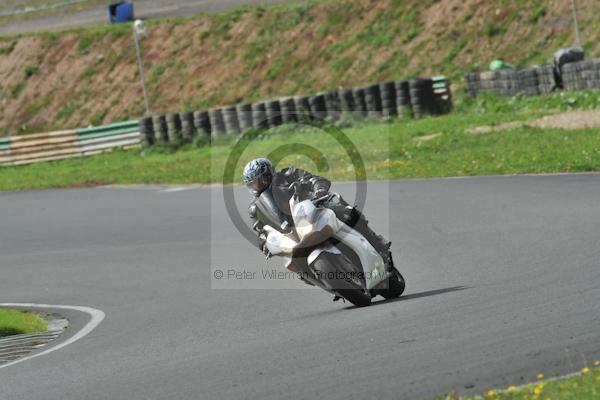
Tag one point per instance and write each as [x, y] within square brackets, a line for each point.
[337, 272]
[396, 286]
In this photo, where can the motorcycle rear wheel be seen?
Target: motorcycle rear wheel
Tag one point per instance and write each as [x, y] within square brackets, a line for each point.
[333, 270]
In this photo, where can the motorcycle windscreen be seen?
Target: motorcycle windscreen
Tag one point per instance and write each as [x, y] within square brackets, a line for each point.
[269, 211]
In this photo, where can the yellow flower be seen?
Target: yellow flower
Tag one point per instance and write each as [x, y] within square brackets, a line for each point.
[597, 363]
[538, 390]
[491, 393]
[512, 388]
[540, 376]
[585, 370]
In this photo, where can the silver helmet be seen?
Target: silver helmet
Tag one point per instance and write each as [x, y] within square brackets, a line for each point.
[258, 175]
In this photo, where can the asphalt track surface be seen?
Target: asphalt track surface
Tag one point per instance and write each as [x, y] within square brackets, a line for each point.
[503, 282]
[143, 9]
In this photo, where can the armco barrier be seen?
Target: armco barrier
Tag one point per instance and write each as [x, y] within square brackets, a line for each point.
[388, 99]
[28, 149]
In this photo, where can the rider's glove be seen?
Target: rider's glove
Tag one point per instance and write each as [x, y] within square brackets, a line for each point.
[262, 240]
[262, 245]
[320, 192]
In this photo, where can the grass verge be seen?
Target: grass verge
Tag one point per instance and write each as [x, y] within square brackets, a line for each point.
[583, 386]
[14, 322]
[425, 148]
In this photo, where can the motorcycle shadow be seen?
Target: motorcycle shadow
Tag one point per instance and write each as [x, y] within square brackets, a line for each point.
[407, 297]
[413, 296]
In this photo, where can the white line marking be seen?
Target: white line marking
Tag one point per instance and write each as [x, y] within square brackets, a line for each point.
[97, 317]
[176, 189]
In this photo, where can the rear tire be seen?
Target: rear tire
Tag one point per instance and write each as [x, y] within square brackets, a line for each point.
[396, 287]
[329, 267]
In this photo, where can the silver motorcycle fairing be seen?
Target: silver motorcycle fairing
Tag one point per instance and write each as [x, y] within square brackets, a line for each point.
[326, 247]
[277, 243]
[372, 263]
[309, 221]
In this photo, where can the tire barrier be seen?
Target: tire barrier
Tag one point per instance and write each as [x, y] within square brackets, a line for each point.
[230, 119]
[273, 109]
[302, 107]
[173, 127]
[318, 108]
[422, 99]
[528, 81]
[332, 105]
[187, 126]
[244, 113]
[418, 97]
[159, 125]
[259, 116]
[387, 92]
[360, 105]
[288, 110]
[403, 107]
[581, 75]
[546, 80]
[539, 80]
[51, 146]
[202, 122]
[346, 101]
[217, 124]
[146, 132]
[373, 100]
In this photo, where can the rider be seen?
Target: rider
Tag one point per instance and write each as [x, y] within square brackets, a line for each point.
[259, 174]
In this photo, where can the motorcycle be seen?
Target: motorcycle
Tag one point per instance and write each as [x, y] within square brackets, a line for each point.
[322, 249]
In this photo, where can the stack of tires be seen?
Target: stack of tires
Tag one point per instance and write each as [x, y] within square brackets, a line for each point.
[422, 99]
[187, 126]
[528, 81]
[358, 95]
[146, 131]
[473, 82]
[387, 91]
[173, 127]
[273, 109]
[346, 101]
[591, 74]
[504, 82]
[288, 110]
[259, 116]
[202, 122]
[217, 122]
[318, 108]
[332, 105]
[373, 100]
[230, 119]
[581, 75]
[244, 114]
[545, 78]
[302, 107]
[403, 106]
[159, 126]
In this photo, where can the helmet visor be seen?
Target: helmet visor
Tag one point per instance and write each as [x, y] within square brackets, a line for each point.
[258, 185]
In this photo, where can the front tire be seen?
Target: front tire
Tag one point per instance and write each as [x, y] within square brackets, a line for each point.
[396, 286]
[334, 271]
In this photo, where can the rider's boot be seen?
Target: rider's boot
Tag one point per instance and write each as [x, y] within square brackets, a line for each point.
[381, 245]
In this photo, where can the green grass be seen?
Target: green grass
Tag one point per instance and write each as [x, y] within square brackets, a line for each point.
[30, 70]
[14, 322]
[584, 386]
[390, 151]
